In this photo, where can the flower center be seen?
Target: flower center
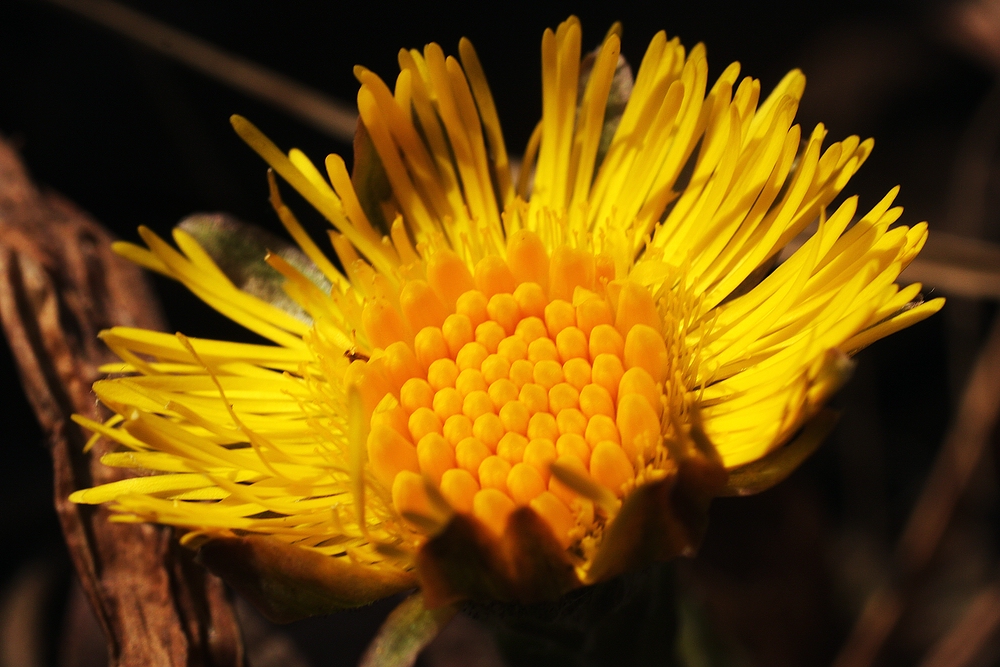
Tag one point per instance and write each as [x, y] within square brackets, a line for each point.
[514, 378]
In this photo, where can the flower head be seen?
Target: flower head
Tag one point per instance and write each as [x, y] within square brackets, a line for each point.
[506, 389]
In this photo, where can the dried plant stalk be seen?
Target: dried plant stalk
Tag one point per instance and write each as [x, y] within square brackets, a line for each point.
[60, 284]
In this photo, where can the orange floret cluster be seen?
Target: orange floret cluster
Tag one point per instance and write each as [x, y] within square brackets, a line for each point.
[512, 367]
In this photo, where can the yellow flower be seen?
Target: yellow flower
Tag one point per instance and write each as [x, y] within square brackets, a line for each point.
[521, 387]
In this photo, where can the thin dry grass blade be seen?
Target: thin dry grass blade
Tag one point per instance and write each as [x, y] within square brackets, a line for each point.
[961, 452]
[327, 115]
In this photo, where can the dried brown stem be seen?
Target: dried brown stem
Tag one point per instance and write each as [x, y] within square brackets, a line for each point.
[60, 284]
[966, 639]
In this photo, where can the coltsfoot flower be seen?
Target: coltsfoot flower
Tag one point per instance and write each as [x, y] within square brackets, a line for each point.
[502, 389]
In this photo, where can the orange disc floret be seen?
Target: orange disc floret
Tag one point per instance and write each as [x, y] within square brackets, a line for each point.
[515, 371]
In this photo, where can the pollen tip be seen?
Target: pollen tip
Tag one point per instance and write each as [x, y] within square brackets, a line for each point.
[493, 508]
[527, 257]
[635, 306]
[448, 276]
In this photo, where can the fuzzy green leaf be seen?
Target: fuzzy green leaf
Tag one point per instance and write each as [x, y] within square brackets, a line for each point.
[407, 630]
[239, 249]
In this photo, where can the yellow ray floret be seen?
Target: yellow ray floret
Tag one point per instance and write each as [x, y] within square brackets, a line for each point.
[546, 345]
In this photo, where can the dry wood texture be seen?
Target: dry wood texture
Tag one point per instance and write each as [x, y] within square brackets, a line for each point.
[60, 285]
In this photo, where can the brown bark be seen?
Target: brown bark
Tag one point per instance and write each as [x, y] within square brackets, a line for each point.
[60, 285]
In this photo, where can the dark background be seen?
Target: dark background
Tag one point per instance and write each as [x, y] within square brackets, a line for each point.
[134, 138]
